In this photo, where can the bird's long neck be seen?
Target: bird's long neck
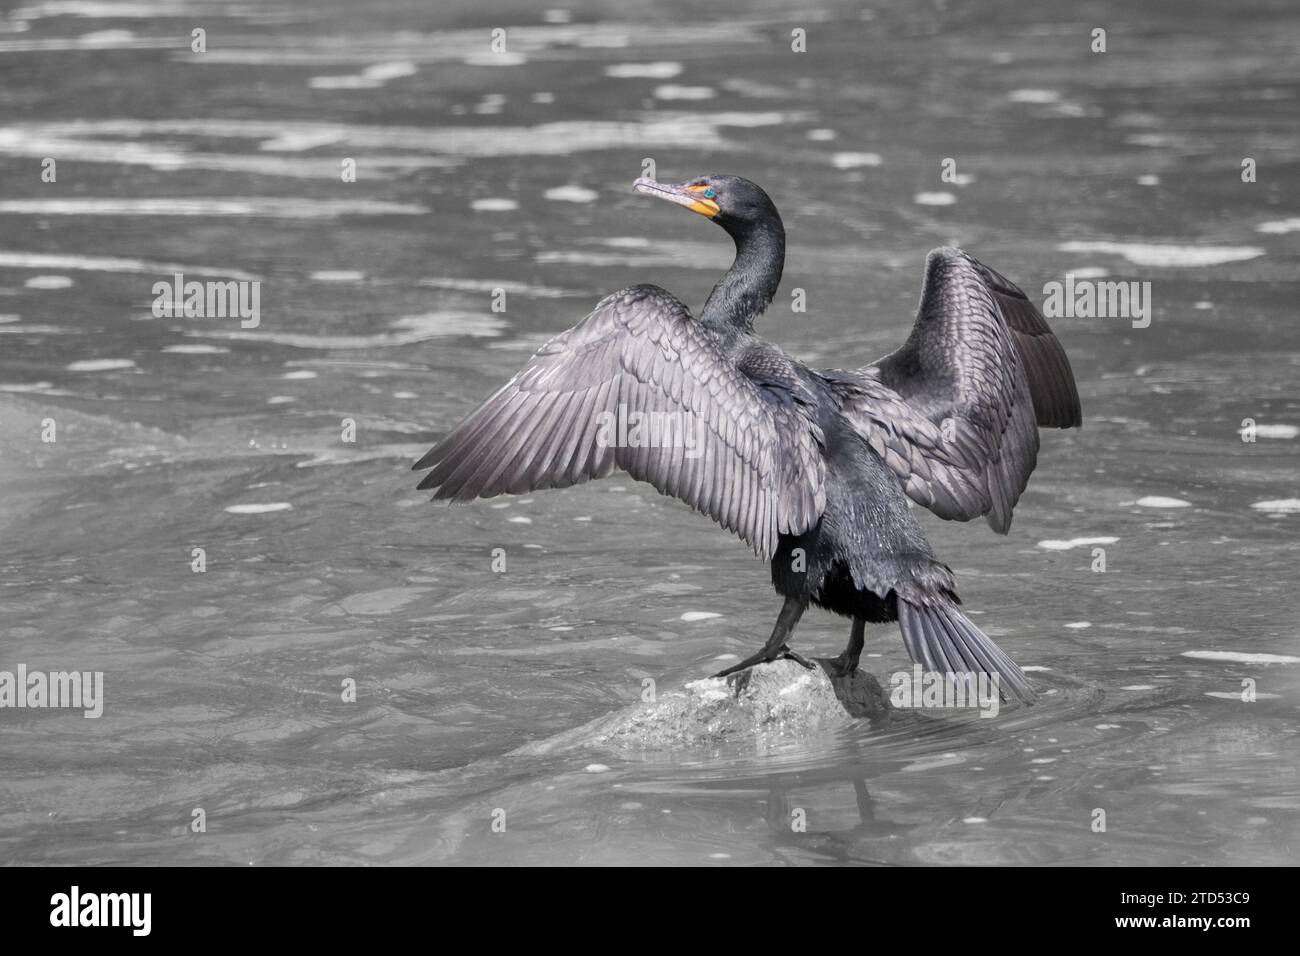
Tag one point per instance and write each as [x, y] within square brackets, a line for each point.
[749, 285]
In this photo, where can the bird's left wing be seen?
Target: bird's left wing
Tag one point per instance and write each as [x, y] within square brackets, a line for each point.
[954, 412]
[751, 463]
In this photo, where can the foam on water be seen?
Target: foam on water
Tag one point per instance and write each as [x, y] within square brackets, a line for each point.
[411, 329]
[28, 328]
[673, 91]
[296, 140]
[687, 254]
[163, 144]
[1066, 544]
[337, 275]
[450, 46]
[30, 260]
[494, 204]
[259, 509]
[438, 324]
[97, 40]
[1272, 431]
[100, 365]
[259, 208]
[39, 142]
[1241, 657]
[1279, 227]
[855, 160]
[578, 194]
[48, 282]
[1282, 506]
[661, 70]
[1034, 96]
[196, 349]
[1167, 254]
[494, 58]
[371, 78]
[112, 9]
[1157, 501]
[461, 284]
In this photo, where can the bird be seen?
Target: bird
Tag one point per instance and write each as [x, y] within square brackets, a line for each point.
[815, 469]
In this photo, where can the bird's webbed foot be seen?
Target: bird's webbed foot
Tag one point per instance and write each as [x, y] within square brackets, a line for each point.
[841, 666]
[766, 656]
[776, 646]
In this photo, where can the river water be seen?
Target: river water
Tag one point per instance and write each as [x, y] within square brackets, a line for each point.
[510, 169]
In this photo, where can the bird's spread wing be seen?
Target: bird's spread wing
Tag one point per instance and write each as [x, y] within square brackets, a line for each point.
[1047, 370]
[722, 443]
[954, 411]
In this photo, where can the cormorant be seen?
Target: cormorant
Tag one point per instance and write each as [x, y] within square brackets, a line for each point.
[812, 467]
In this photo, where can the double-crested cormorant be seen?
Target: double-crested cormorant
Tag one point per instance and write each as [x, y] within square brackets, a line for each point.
[812, 467]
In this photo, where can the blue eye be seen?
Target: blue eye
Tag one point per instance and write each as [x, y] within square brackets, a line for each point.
[709, 193]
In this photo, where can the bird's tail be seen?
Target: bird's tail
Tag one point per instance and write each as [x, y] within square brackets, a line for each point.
[940, 638]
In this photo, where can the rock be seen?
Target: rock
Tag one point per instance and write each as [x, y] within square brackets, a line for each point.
[780, 699]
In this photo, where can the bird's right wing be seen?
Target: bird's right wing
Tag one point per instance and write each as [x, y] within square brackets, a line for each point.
[750, 462]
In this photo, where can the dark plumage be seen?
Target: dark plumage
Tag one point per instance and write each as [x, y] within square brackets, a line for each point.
[812, 468]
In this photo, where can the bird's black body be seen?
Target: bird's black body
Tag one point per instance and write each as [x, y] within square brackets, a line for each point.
[866, 546]
[815, 468]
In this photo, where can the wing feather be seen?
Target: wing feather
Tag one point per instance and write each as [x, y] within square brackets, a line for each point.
[757, 468]
[955, 412]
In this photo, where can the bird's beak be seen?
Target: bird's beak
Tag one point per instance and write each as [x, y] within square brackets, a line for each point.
[689, 196]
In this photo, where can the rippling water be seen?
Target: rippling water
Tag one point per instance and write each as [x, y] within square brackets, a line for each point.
[478, 171]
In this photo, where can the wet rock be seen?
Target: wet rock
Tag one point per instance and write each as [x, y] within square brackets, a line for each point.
[780, 699]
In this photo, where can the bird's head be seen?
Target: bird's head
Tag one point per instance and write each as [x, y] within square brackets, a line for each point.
[735, 204]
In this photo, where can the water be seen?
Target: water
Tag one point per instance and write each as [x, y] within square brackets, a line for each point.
[478, 171]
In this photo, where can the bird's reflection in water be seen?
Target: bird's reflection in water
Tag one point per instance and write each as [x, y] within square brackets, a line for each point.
[793, 830]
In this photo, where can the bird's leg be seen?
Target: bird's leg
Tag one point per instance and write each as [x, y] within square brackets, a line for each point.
[775, 647]
[847, 662]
